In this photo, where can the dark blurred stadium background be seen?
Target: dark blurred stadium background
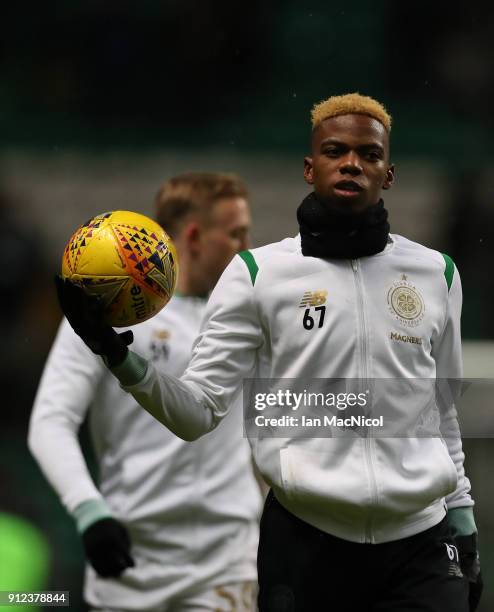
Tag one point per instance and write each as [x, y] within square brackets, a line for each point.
[102, 101]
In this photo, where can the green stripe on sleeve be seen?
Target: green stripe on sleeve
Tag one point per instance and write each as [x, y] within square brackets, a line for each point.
[449, 270]
[250, 262]
[462, 521]
[131, 371]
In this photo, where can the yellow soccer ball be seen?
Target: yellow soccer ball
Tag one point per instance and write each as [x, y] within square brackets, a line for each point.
[128, 260]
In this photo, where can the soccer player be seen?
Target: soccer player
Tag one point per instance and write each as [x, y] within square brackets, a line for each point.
[354, 522]
[172, 526]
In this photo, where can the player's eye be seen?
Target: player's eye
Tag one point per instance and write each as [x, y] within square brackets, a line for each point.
[332, 152]
[374, 155]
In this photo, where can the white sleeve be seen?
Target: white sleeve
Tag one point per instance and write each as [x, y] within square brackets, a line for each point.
[66, 389]
[224, 353]
[449, 372]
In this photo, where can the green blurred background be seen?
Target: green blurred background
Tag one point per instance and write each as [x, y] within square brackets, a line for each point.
[102, 101]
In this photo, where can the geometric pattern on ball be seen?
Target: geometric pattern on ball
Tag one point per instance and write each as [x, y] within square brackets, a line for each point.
[147, 256]
[78, 240]
[127, 260]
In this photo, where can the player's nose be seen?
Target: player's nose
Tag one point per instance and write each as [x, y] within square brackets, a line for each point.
[350, 164]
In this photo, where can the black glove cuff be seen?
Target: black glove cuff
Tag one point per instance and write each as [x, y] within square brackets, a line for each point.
[115, 353]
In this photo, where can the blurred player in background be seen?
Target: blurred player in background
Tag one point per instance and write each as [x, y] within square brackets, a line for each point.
[173, 525]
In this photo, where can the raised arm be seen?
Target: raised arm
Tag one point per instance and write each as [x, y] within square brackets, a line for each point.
[225, 353]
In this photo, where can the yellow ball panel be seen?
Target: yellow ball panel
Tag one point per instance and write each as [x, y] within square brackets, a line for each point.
[101, 255]
[128, 260]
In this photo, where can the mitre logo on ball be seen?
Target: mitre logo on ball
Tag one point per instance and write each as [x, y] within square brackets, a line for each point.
[126, 259]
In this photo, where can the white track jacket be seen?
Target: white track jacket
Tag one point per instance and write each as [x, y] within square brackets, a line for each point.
[393, 315]
[191, 509]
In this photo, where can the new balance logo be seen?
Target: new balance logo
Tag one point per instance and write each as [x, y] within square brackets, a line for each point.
[454, 570]
[313, 298]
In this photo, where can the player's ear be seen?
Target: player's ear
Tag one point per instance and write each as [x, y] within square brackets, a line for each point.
[308, 170]
[389, 178]
[192, 236]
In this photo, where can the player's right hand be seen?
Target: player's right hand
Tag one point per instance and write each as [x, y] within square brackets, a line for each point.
[86, 316]
[107, 546]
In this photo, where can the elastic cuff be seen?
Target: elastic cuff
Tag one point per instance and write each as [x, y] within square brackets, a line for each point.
[131, 371]
[461, 521]
[89, 512]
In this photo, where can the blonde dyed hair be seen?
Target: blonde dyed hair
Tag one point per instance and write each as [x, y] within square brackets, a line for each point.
[349, 104]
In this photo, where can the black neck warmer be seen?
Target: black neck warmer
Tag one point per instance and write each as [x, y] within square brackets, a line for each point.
[336, 234]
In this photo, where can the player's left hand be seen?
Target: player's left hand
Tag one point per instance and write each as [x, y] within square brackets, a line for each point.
[108, 548]
[470, 566]
[86, 316]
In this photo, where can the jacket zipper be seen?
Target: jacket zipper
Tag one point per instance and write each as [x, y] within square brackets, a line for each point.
[363, 372]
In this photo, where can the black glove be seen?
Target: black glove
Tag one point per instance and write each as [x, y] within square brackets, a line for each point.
[470, 566]
[107, 546]
[85, 313]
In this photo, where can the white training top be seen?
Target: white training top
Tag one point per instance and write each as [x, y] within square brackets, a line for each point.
[393, 316]
[191, 508]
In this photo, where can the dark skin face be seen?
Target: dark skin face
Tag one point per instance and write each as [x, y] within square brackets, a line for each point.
[350, 165]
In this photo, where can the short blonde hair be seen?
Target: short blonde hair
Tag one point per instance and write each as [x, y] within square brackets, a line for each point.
[352, 103]
[194, 194]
